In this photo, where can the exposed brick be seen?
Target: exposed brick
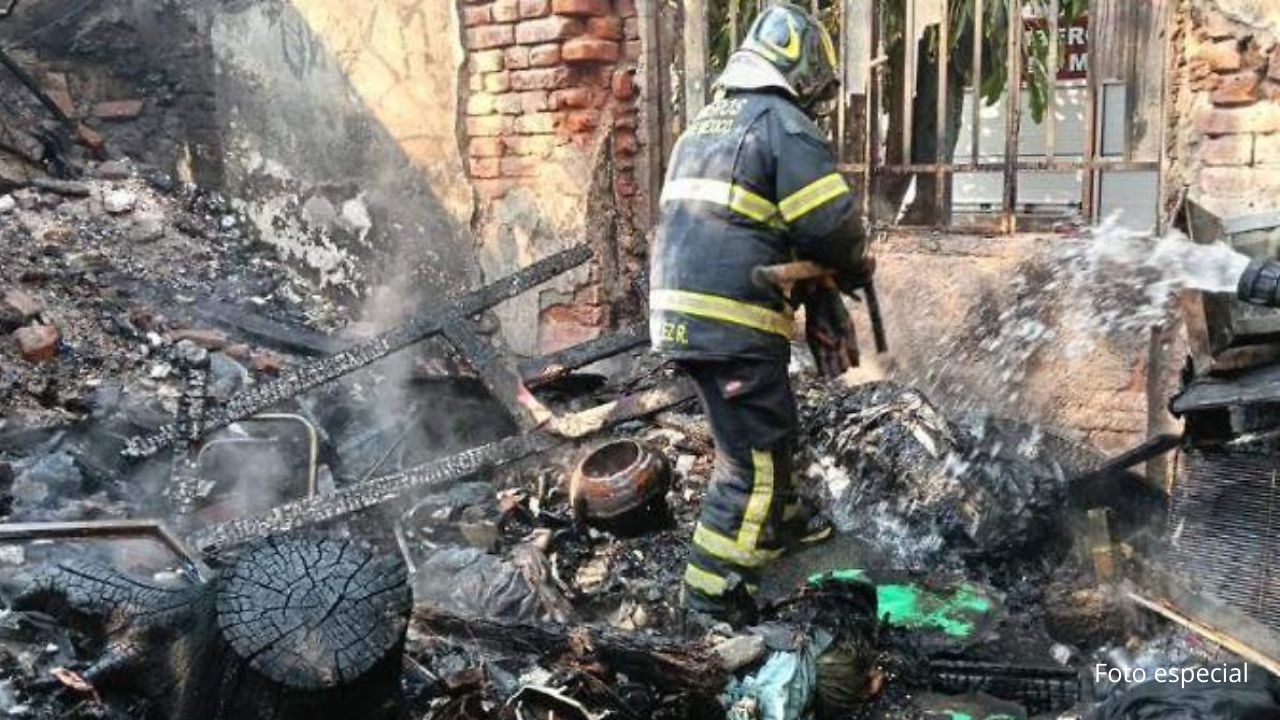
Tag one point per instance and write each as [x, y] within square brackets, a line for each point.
[1220, 56]
[498, 82]
[490, 36]
[547, 29]
[517, 57]
[1266, 150]
[608, 27]
[506, 11]
[631, 28]
[492, 189]
[544, 55]
[578, 121]
[540, 79]
[486, 167]
[475, 83]
[474, 15]
[535, 101]
[483, 147]
[480, 104]
[485, 61]
[539, 146]
[624, 84]
[625, 143]
[625, 8]
[1237, 89]
[519, 167]
[489, 126]
[1215, 26]
[1242, 189]
[578, 97]
[536, 123]
[580, 7]
[1260, 118]
[534, 8]
[1227, 150]
[586, 49]
[118, 109]
[632, 50]
[624, 185]
[508, 104]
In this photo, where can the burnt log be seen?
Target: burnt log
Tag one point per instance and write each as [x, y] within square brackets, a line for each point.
[294, 627]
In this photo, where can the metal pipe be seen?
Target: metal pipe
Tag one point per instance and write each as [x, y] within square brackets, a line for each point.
[1013, 117]
[1051, 119]
[1087, 189]
[100, 529]
[908, 77]
[1030, 164]
[976, 121]
[940, 135]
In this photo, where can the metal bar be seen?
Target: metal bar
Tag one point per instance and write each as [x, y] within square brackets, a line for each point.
[1238, 647]
[1051, 119]
[976, 120]
[908, 77]
[541, 370]
[1029, 164]
[96, 529]
[871, 143]
[318, 372]
[1013, 117]
[695, 58]
[940, 143]
[845, 92]
[1087, 198]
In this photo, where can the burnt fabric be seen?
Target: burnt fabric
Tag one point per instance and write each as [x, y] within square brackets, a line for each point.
[752, 181]
[754, 421]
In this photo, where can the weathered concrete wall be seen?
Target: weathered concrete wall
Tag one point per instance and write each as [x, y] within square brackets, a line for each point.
[340, 133]
[982, 323]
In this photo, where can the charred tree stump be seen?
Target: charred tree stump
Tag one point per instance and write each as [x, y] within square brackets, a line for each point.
[295, 627]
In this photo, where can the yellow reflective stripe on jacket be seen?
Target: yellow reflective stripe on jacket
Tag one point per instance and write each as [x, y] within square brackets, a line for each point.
[812, 196]
[716, 307]
[758, 504]
[735, 197]
[719, 546]
[699, 579]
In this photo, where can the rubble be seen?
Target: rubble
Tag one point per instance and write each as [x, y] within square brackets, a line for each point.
[37, 343]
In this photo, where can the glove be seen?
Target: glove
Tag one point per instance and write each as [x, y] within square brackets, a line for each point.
[828, 330]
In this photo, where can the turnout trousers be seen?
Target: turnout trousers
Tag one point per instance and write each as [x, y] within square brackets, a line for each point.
[752, 413]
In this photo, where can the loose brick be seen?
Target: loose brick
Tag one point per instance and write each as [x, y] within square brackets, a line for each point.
[536, 123]
[624, 84]
[489, 126]
[37, 343]
[625, 8]
[1227, 150]
[517, 57]
[519, 167]
[608, 27]
[1215, 26]
[480, 104]
[1266, 149]
[578, 97]
[544, 55]
[535, 101]
[537, 146]
[578, 121]
[580, 7]
[118, 109]
[547, 29]
[486, 167]
[1220, 56]
[534, 8]
[585, 49]
[490, 36]
[485, 61]
[1260, 118]
[508, 104]
[484, 147]
[540, 79]
[90, 138]
[505, 11]
[498, 82]
[474, 15]
[1238, 89]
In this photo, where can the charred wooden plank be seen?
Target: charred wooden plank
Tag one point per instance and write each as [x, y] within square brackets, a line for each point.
[498, 373]
[295, 627]
[313, 374]
[541, 370]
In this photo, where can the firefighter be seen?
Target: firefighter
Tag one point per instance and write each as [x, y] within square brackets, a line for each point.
[752, 182]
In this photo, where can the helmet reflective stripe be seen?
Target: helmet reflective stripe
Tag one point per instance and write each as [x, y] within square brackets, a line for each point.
[796, 44]
[828, 47]
[792, 50]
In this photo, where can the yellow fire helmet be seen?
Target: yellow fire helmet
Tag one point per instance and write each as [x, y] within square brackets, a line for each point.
[792, 42]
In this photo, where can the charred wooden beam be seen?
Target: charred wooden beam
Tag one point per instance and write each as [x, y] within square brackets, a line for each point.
[313, 374]
[692, 669]
[498, 373]
[295, 627]
[540, 370]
